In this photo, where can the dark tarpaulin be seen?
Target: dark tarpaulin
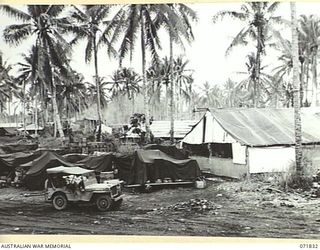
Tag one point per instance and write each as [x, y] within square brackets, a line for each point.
[101, 163]
[5, 168]
[12, 148]
[166, 169]
[4, 132]
[19, 158]
[73, 158]
[150, 165]
[124, 164]
[36, 175]
[172, 151]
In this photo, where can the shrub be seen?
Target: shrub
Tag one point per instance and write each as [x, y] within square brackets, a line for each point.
[292, 179]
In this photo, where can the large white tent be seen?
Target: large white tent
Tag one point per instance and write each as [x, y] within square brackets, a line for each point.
[262, 140]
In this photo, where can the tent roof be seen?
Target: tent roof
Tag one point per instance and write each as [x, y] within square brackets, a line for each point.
[267, 126]
[31, 127]
[149, 156]
[161, 129]
[46, 160]
[99, 163]
[10, 125]
[68, 170]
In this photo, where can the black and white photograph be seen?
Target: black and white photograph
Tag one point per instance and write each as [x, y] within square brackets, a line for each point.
[162, 119]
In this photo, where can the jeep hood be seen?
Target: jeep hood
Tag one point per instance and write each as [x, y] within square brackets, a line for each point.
[99, 186]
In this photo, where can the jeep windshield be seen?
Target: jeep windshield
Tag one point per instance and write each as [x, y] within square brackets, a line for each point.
[69, 170]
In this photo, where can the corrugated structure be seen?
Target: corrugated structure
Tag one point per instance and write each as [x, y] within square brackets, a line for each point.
[161, 129]
[10, 127]
[238, 142]
[31, 127]
[261, 127]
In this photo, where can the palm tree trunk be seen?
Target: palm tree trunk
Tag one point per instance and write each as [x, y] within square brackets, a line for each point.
[56, 115]
[166, 102]
[297, 115]
[24, 109]
[171, 93]
[301, 82]
[256, 83]
[144, 77]
[306, 80]
[133, 106]
[314, 79]
[36, 116]
[79, 102]
[95, 51]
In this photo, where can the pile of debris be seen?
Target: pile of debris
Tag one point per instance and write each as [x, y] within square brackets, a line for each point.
[316, 185]
[193, 205]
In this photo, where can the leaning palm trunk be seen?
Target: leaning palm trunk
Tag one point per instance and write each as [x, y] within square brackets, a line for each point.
[144, 79]
[97, 87]
[171, 93]
[297, 115]
[314, 79]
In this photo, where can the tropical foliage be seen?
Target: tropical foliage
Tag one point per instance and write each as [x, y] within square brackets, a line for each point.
[161, 83]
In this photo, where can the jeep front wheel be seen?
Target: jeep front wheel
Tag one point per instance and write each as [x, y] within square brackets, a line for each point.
[103, 203]
[59, 202]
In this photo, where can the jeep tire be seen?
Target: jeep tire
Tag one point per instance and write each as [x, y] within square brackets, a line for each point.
[59, 202]
[103, 203]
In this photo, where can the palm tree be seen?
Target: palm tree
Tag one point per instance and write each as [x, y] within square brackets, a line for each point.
[231, 94]
[309, 32]
[177, 21]
[210, 96]
[259, 17]
[131, 81]
[43, 23]
[295, 80]
[87, 24]
[72, 93]
[259, 94]
[7, 86]
[28, 75]
[92, 92]
[133, 19]
[184, 80]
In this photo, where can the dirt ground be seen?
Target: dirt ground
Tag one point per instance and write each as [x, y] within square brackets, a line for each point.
[242, 209]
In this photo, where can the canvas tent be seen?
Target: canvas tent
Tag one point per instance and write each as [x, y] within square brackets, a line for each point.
[123, 163]
[18, 147]
[150, 165]
[36, 169]
[11, 127]
[171, 150]
[6, 169]
[31, 128]
[5, 132]
[19, 158]
[242, 141]
[100, 163]
[74, 157]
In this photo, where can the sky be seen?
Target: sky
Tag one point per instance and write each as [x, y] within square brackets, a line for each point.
[206, 54]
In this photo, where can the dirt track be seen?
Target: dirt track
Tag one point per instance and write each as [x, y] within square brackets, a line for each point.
[241, 209]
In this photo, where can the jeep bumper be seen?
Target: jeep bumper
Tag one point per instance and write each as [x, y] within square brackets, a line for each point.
[118, 197]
